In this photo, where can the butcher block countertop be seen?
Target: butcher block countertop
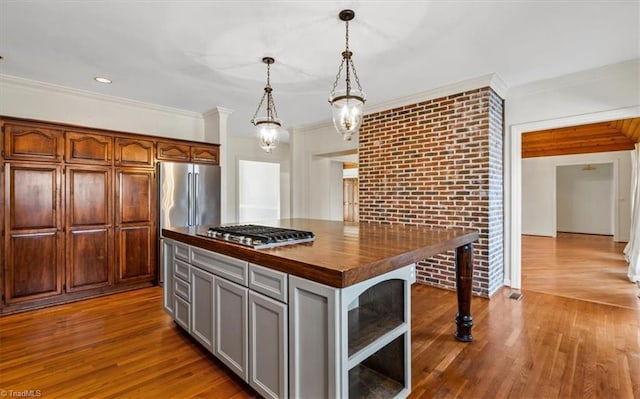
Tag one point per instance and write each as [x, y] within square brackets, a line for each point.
[343, 253]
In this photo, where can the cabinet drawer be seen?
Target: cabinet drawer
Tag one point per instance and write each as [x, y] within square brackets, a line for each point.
[182, 289]
[269, 282]
[221, 265]
[181, 251]
[181, 269]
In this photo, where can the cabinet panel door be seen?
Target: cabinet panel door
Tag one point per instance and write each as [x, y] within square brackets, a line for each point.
[208, 154]
[268, 346]
[231, 326]
[134, 152]
[88, 259]
[88, 196]
[34, 266]
[136, 253]
[32, 196]
[34, 242]
[202, 299]
[182, 312]
[135, 195]
[167, 151]
[88, 148]
[89, 228]
[313, 334]
[32, 142]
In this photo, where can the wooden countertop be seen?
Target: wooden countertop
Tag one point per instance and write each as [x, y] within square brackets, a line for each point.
[342, 254]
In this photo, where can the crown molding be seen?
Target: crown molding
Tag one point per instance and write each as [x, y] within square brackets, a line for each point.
[218, 111]
[492, 80]
[43, 86]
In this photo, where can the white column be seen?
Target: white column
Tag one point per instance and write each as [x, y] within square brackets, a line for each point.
[215, 131]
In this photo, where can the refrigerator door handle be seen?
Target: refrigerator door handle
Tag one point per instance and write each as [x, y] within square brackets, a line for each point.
[189, 199]
[196, 219]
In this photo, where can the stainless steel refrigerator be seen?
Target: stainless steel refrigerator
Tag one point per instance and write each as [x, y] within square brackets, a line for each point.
[188, 195]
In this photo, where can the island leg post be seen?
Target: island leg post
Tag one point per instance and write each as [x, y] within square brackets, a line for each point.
[464, 283]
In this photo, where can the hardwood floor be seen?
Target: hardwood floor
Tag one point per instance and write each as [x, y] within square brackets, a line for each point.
[586, 267]
[124, 346]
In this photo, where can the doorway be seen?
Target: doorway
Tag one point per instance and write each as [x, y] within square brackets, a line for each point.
[514, 176]
[258, 191]
[585, 199]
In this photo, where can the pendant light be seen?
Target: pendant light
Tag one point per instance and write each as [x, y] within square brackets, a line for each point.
[267, 127]
[348, 102]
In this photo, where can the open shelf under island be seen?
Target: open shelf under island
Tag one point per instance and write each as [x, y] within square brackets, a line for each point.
[329, 318]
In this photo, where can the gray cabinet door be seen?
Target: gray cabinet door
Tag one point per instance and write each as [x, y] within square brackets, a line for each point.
[268, 346]
[182, 313]
[231, 341]
[202, 307]
[166, 259]
[314, 339]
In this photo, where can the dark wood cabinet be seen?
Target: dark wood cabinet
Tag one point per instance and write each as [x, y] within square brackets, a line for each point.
[89, 228]
[88, 148]
[134, 152]
[170, 151]
[135, 224]
[78, 210]
[32, 142]
[34, 242]
[177, 152]
[208, 154]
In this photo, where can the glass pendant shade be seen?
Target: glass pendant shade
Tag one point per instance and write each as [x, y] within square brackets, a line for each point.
[267, 127]
[347, 112]
[268, 131]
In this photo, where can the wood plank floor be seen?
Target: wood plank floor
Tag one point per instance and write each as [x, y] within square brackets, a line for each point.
[124, 346]
[587, 267]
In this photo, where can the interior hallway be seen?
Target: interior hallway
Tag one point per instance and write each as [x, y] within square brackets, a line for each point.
[581, 266]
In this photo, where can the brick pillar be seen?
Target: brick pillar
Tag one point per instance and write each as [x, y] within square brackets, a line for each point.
[439, 163]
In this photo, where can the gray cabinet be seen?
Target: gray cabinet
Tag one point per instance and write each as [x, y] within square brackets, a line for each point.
[202, 307]
[231, 325]
[291, 337]
[268, 346]
[166, 257]
[314, 334]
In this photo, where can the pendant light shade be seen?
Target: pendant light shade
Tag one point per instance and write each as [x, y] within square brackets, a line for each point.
[347, 102]
[267, 127]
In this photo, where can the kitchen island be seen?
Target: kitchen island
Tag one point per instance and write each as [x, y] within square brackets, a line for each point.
[328, 318]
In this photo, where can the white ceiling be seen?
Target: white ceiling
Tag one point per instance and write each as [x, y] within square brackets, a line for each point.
[196, 55]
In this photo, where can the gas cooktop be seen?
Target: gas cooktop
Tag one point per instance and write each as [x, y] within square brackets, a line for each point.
[258, 237]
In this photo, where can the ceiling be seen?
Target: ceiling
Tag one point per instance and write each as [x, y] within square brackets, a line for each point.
[620, 135]
[197, 55]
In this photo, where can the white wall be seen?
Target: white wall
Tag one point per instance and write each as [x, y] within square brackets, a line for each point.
[539, 197]
[602, 94]
[36, 100]
[316, 176]
[585, 199]
[246, 148]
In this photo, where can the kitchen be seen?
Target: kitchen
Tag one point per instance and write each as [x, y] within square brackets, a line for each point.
[308, 167]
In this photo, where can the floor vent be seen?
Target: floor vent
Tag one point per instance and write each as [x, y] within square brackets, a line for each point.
[516, 296]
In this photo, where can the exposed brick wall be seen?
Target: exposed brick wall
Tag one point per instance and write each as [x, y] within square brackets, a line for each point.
[439, 163]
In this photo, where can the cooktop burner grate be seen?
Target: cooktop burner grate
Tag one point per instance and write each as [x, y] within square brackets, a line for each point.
[257, 236]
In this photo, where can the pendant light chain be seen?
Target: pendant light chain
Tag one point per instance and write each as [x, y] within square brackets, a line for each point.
[346, 56]
[271, 105]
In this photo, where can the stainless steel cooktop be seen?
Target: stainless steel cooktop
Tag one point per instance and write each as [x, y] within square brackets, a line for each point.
[258, 237]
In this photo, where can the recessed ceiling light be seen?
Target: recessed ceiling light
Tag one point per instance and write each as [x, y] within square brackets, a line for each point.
[102, 80]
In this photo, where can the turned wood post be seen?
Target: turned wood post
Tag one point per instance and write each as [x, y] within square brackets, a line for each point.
[464, 283]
